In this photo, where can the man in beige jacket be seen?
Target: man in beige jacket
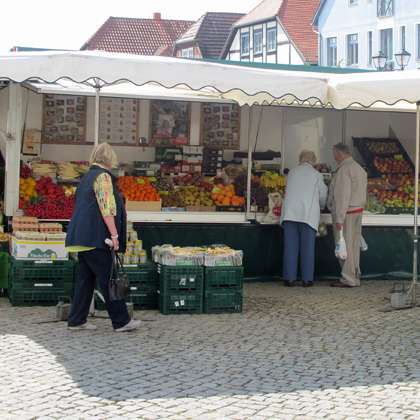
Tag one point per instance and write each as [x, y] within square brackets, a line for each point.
[346, 199]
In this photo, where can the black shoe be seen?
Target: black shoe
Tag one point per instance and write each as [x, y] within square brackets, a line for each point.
[288, 283]
[307, 283]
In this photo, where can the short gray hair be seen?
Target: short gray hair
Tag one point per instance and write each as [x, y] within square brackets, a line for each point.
[342, 147]
[103, 154]
[307, 156]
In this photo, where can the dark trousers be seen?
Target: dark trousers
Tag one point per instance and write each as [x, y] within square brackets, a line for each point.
[299, 240]
[95, 264]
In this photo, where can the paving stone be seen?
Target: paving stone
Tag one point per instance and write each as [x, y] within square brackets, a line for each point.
[291, 354]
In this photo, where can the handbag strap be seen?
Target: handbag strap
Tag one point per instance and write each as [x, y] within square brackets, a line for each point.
[119, 263]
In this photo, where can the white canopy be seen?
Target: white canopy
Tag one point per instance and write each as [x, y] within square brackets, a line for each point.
[245, 85]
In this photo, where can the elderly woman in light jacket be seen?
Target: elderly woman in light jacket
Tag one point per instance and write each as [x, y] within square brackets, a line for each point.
[305, 196]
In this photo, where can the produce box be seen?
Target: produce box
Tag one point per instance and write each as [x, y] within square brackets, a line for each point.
[180, 278]
[38, 250]
[141, 301]
[212, 152]
[221, 301]
[143, 205]
[177, 303]
[36, 297]
[224, 278]
[168, 154]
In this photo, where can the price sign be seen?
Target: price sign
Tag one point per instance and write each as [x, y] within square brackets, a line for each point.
[140, 181]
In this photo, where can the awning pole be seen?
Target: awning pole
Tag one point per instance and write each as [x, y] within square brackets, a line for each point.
[96, 139]
[416, 209]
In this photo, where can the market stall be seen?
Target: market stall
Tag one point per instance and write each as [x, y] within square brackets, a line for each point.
[299, 117]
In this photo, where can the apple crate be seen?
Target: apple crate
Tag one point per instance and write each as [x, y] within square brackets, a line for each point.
[223, 301]
[178, 303]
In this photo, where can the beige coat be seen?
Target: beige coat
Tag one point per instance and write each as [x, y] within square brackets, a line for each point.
[347, 190]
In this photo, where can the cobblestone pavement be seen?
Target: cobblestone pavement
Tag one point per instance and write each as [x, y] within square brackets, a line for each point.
[294, 353]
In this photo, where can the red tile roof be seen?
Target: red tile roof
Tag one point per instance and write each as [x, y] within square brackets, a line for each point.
[136, 36]
[210, 32]
[296, 17]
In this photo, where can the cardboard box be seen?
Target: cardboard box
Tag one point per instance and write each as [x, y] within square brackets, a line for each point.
[194, 167]
[23, 249]
[171, 168]
[192, 150]
[30, 148]
[32, 137]
[143, 205]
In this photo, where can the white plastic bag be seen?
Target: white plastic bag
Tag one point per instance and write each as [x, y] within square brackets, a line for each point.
[363, 244]
[275, 201]
[340, 248]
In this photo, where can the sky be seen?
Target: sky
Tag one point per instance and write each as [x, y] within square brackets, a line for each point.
[68, 25]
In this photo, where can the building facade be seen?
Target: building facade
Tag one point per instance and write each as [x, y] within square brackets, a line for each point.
[351, 32]
[276, 31]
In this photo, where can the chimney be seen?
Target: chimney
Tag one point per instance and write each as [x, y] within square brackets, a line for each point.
[156, 16]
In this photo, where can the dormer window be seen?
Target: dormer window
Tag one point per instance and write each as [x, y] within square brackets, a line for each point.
[271, 40]
[258, 43]
[385, 8]
[245, 44]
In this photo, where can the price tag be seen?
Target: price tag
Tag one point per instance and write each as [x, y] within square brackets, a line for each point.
[140, 180]
[215, 190]
[273, 177]
[163, 192]
[398, 157]
[152, 179]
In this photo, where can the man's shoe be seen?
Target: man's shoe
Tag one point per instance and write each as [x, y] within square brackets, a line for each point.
[84, 327]
[307, 283]
[288, 283]
[339, 283]
[132, 325]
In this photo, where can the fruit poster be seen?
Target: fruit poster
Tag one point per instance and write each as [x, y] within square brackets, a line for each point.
[118, 121]
[169, 123]
[64, 119]
[220, 125]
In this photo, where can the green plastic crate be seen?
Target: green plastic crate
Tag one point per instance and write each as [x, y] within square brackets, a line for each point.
[224, 277]
[177, 303]
[20, 270]
[222, 301]
[141, 301]
[180, 278]
[36, 298]
[4, 246]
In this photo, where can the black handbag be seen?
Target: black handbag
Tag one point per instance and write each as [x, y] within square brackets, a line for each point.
[119, 284]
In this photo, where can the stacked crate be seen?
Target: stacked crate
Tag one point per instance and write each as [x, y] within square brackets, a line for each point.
[40, 282]
[180, 289]
[223, 289]
[212, 161]
[143, 282]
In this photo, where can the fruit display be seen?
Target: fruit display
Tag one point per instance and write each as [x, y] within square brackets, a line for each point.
[163, 185]
[67, 170]
[391, 165]
[137, 188]
[172, 200]
[192, 179]
[259, 195]
[194, 196]
[382, 147]
[25, 172]
[224, 195]
[47, 188]
[393, 190]
[42, 169]
[49, 207]
[273, 182]
[27, 188]
[323, 168]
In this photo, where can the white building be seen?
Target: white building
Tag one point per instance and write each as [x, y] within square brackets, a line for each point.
[351, 32]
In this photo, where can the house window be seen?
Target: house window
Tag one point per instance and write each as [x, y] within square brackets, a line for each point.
[332, 51]
[369, 48]
[402, 37]
[245, 44]
[385, 8]
[352, 50]
[353, 2]
[271, 40]
[258, 42]
[187, 52]
[386, 43]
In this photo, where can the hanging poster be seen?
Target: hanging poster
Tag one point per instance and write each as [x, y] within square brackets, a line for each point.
[64, 119]
[118, 121]
[169, 123]
[220, 125]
